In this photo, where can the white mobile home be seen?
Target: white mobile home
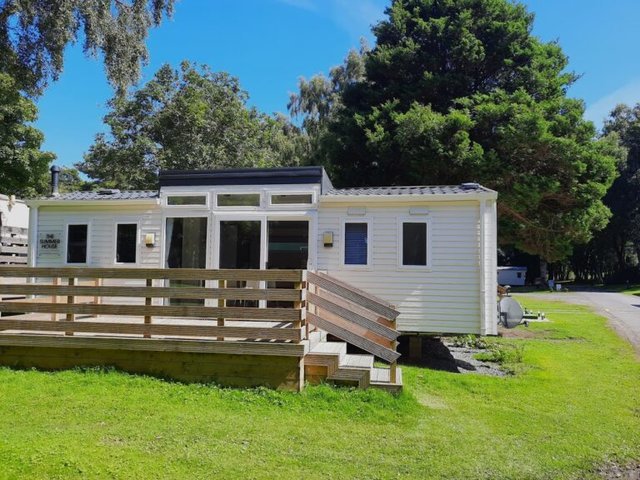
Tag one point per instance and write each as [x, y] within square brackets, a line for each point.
[429, 251]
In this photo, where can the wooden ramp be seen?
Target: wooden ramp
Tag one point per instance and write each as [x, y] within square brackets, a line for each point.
[359, 319]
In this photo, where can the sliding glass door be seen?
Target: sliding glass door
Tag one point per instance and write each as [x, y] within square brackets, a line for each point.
[240, 247]
[186, 247]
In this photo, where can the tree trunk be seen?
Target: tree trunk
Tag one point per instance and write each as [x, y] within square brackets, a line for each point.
[544, 272]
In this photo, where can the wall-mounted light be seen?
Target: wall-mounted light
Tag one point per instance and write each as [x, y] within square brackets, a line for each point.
[327, 239]
[150, 239]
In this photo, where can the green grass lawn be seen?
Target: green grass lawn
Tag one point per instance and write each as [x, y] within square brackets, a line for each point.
[573, 404]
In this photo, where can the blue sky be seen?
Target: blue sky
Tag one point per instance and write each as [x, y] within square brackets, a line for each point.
[269, 44]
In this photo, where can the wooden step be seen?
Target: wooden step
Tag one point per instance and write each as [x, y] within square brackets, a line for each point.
[343, 334]
[380, 378]
[351, 376]
[357, 361]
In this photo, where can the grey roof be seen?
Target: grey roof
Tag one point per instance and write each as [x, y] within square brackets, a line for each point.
[463, 189]
[108, 195]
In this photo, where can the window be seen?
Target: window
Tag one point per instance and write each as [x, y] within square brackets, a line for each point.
[414, 243]
[176, 200]
[355, 243]
[77, 243]
[239, 200]
[519, 274]
[291, 199]
[126, 242]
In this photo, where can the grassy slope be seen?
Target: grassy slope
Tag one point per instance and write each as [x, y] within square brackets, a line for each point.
[574, 404]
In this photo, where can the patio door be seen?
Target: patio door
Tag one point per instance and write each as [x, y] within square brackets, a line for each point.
[240, 248]
[287, 248]
[186, 247]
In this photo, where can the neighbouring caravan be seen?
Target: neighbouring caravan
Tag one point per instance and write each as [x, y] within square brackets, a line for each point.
[14, 220]
[514, 276]
[428, 250]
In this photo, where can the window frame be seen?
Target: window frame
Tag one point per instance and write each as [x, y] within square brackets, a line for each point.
[115, 242]
[66, 243]
[239, 207]
[270, 195]
[413, 219]
[343, 250]
[207, 201]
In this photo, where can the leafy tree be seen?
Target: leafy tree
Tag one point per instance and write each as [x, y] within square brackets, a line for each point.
[34, 34]
[25, 167]
[614, 252]
[188, 119]
[460, 90]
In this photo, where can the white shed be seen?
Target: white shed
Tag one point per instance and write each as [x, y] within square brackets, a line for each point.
[430, 251]
[514, 276]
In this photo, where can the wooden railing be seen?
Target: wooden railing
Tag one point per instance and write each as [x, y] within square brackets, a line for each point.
[65, 292]
[13, 245]
[354, 316]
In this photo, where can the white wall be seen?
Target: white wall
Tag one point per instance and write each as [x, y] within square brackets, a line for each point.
[13, 214]
[102, 222]
[443, 299]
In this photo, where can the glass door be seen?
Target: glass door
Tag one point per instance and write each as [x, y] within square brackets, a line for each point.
[186, 247]
[239, 243]
[287, 248]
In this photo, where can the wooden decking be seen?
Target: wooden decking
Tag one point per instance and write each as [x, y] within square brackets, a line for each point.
[87, 316]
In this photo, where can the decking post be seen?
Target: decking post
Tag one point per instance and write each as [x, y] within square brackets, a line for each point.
[55, 281]
[70, 300]
[299, 305]
[97, 299]
[221, 304]
[147, 302]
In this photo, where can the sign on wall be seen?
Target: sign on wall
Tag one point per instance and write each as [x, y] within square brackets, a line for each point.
[49, 244]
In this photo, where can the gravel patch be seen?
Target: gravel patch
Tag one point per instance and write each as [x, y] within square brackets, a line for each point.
[441, 354]
[466, 363]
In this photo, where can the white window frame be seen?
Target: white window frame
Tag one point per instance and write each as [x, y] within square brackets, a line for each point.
[207, 200]
[240, 208]
[165, 240]
[414, 219]
[66, 243]
[343, 250]
[284, 206]
[115, 242]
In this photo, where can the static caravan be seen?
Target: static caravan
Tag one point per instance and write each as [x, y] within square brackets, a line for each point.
[251, 277]
[514, 276]
[14, 220]
[430, 251]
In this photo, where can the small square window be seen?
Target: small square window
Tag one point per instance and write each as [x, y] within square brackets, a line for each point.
[77, 243]
[414, 243]
[356, 243]
[126, 242]
[239, 200]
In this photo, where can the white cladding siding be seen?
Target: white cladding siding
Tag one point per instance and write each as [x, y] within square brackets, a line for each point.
[442, 299]
[102, 221]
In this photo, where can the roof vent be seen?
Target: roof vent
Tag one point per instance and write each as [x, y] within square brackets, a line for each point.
[470, 186]
[108, 191]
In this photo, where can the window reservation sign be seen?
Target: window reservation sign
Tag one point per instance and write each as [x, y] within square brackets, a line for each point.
[49, 244]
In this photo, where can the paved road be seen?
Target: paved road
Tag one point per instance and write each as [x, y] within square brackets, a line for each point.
[623, 311]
